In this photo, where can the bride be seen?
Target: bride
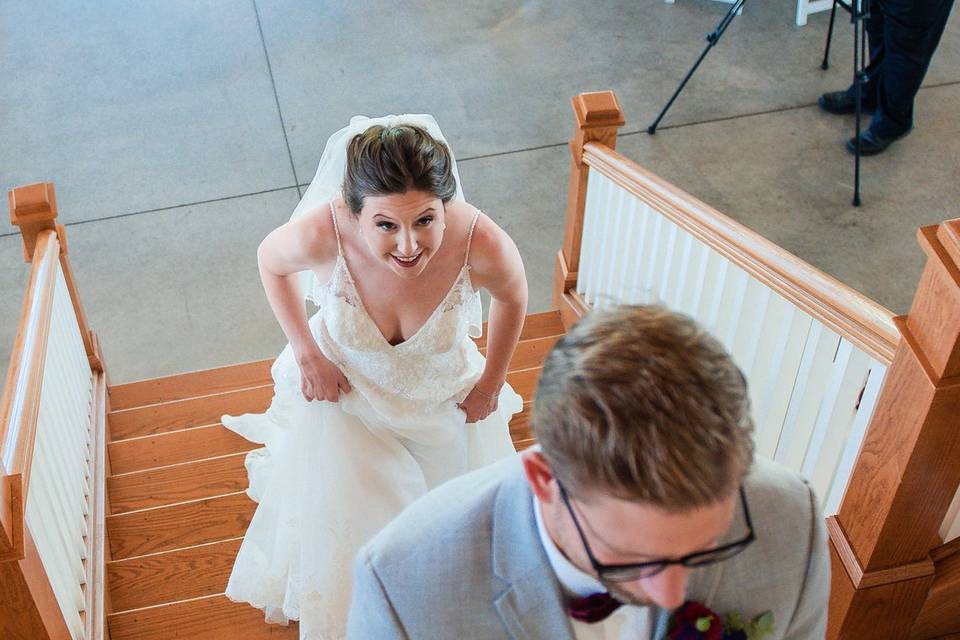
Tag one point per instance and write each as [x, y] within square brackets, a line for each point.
[382, 394]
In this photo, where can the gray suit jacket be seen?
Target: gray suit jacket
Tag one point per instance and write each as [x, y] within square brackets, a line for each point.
[465, 562]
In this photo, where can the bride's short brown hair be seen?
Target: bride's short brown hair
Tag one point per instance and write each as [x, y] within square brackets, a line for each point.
[641, 403]
[385, 160]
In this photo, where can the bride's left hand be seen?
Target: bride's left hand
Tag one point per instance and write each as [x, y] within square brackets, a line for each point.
[479, 404]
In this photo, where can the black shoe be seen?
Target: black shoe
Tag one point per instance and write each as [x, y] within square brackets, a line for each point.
[840, 103]
[871, 144]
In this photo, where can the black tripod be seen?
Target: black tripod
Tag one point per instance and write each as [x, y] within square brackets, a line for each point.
[859, 11]
[712, 39]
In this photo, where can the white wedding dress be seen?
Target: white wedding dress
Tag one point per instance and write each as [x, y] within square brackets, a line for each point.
[333, 474]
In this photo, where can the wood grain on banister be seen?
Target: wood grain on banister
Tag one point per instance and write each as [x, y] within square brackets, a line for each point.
[846, 311]
[598, 118]
[20, 403]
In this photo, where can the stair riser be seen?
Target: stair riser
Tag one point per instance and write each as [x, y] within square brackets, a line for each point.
[179, 483]
[176, 447]
[190, 385]
[178, 526]
[531, 353]
[211, 618]
[538, 325]
[182, 414]
[171, 576]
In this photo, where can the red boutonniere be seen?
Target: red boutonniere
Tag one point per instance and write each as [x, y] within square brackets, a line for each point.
[694, 621]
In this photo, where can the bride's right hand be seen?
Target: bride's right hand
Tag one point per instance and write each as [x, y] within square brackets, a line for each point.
[320, 379]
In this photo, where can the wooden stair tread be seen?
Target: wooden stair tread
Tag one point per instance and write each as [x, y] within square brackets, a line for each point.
[177, 526]
[208, 618]
[190, 385]
[174, 447]
[530, 352]
[169, 576]
[177, 483]
[535, 325]
[257, 373]
[192, 412]
[520, 431]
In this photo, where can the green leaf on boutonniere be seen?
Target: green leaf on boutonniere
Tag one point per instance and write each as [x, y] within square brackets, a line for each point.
[733, 621]
[761, 626]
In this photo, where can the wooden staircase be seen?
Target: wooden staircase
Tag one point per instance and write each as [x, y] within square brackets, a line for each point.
[176, 493]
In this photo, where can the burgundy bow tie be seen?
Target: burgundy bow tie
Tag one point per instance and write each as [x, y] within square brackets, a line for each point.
[593, 608]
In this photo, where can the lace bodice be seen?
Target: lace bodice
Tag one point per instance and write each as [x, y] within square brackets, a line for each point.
[438, 363]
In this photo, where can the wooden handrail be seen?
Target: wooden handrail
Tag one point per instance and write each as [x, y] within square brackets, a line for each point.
[846, 311]
[33, 208]
[20, 402]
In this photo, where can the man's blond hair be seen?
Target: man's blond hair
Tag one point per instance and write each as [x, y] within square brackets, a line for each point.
[641, 403]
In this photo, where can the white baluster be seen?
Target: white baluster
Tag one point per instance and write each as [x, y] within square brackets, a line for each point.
[777, 381]
[586, 277]
[847, 376]
[808, 392]
[708, 309]
[694, 288]
[630, 262]
[731, 305]
[868, 402]
[636, 284]
[678, 282]
[749, 327]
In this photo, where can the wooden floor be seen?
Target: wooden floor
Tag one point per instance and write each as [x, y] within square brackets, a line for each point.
[178, 507]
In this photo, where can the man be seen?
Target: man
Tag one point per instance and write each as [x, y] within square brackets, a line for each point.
[643, 491]
[903, 35]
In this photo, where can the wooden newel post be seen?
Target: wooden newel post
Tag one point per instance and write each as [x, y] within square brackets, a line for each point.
[33, 208]
[598, 118]
[909, 465]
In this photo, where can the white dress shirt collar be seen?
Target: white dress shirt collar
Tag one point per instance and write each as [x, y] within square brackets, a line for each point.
[574, 581]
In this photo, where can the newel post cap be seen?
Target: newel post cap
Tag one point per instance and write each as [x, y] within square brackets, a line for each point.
[598, 109]
[33, 208]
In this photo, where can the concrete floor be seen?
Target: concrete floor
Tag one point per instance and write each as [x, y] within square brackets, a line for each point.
[179, 133]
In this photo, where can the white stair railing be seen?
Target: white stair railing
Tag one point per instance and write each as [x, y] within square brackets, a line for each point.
[813, 388]
[56, 506]
[52, 449]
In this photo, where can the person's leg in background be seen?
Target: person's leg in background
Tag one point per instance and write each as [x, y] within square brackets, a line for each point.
[842, 102]
[911, 31]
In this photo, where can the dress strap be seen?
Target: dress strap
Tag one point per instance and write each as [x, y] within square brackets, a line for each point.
[473, 225]
[336, 229]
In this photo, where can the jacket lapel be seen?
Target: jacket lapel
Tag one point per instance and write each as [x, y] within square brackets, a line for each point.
[530, 604]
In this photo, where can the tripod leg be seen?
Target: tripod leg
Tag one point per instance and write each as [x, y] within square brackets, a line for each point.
[859, 33]
[652, 129]
[712, 39]
[826, 51]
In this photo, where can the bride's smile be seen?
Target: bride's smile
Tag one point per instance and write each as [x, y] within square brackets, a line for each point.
[404, 230]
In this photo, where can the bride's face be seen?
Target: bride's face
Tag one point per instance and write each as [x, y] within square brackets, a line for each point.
[403, 230]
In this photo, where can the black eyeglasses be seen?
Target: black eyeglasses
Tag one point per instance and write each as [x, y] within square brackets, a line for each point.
[629, 572]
